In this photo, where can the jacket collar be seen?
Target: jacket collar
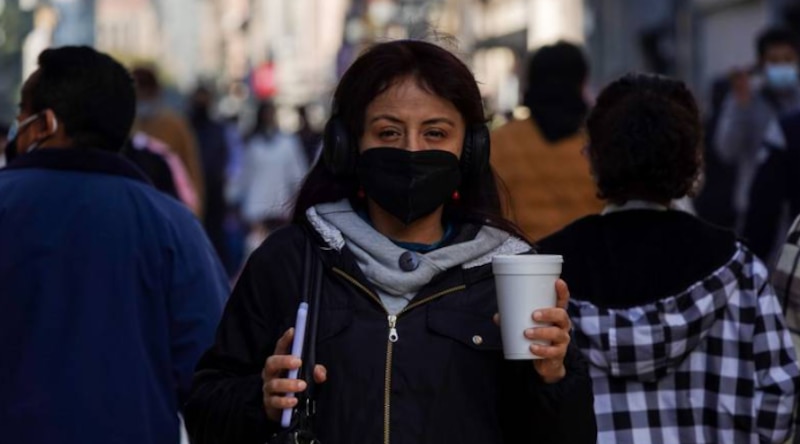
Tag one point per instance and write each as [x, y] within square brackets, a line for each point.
[78, 159]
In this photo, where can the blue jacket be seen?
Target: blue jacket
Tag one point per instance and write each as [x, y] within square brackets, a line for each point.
[109, 292]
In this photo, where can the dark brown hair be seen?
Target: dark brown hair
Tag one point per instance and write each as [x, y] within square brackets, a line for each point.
[645, 139]
[436, 70]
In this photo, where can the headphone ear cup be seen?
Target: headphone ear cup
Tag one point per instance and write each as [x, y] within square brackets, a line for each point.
[476, 150]
[337, 151]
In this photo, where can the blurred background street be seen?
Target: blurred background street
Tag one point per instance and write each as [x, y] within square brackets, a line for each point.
[270, 66]
[293, 50]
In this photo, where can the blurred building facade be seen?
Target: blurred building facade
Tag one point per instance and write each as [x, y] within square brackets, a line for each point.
[294, 51]
[696, 40]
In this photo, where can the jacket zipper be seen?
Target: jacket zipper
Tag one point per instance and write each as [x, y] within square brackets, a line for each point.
[393, 337]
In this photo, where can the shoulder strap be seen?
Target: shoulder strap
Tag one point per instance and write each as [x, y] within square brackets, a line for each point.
[312, 288]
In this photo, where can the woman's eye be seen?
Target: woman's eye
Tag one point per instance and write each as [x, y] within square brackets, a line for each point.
[388, 133]
[436, 134]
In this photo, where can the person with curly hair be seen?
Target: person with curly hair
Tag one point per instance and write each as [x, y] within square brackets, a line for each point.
[683, 331]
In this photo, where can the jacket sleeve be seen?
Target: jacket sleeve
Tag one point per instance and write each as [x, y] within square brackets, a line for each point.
[777, 373]
[562, 412]
[225, 404]
[198, 287]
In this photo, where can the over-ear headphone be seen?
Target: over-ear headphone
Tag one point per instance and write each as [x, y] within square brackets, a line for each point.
[340, 152]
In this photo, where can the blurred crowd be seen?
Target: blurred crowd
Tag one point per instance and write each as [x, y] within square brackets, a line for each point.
[239, 167]
[238, 171]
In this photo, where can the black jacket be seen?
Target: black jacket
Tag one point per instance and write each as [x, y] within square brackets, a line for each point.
[777, 183]
[436, 384]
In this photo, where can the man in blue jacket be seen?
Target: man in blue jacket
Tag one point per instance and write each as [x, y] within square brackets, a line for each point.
[109, 289]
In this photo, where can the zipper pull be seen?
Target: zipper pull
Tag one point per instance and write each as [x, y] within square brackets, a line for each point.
[393, 328]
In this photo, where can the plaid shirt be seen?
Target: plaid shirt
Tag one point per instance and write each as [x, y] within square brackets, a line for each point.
[786, 277]
[714, 364]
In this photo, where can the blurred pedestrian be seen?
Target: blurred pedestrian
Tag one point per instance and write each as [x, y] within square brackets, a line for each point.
[309, 137]
[775, 193]
[539, 159]
[156, 119]
[684, 333]
[179, 177]
[407, 349]
[715, 190]
[234, 228]
[273, 170]
[212, 139]
[153, 165]
[756, 99]
[109, 289]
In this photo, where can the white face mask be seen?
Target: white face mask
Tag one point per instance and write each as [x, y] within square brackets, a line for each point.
[781, 76]
[16, 127]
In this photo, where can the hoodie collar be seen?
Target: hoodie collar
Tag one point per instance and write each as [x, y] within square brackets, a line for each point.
[78, 159]
[381, 260]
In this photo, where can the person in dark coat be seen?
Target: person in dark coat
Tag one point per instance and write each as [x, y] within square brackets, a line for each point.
[775, 194]
[403, 211]
[109, 289]
[152, 165]
[212, 141]
[685, 335]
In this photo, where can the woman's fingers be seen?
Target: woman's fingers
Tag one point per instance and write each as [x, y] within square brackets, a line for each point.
[320, 374]
[562, 294]
[552, 334]
[282, 347]
[555, 316]
[281, 386]
[274, 387]
[549, 351]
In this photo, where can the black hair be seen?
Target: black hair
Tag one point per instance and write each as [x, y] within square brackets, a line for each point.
[776, 36]
[259, 126]
[146, 79]
[91, 94]
[436, 70]
[645, 139]
[554, 90]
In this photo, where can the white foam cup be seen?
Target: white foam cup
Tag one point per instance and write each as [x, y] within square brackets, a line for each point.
[524, 283]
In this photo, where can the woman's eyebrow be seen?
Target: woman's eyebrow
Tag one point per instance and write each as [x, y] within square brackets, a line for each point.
[436, 120]
[388, 117]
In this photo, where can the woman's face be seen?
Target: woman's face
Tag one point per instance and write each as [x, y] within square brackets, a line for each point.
[408, 117]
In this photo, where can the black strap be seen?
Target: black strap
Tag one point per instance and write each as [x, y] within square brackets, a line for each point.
[312, 288]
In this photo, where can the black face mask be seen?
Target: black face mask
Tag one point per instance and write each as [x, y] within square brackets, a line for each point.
[408, 184]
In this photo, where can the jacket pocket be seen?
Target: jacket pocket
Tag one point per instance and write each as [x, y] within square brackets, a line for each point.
[474, 330]
[333, 322]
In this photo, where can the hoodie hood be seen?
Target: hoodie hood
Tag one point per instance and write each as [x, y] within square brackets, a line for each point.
[379, 258]
[647, 342]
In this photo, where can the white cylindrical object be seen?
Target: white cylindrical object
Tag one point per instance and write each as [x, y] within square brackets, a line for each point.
[524, 283]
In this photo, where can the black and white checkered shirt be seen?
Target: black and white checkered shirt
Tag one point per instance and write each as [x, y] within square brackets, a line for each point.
[714, 364]
[786, 277]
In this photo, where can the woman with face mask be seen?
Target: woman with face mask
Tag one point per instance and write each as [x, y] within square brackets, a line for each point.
[402, 210]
